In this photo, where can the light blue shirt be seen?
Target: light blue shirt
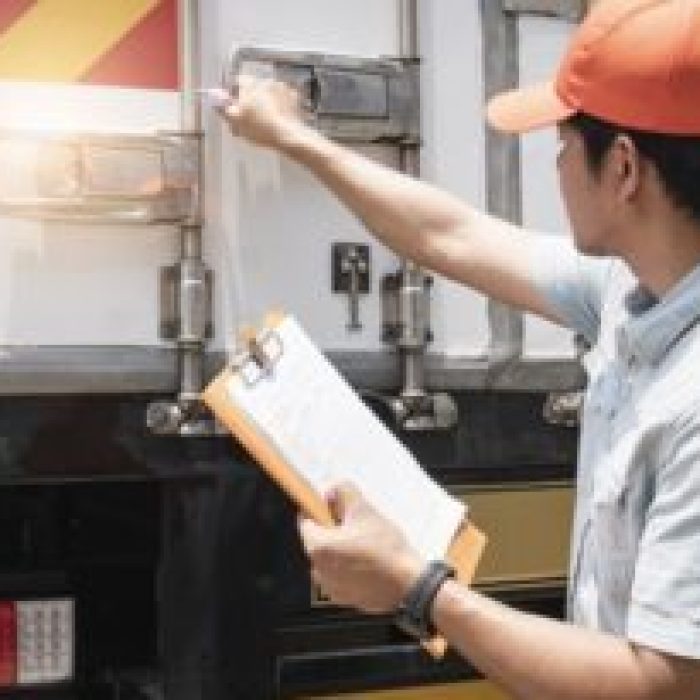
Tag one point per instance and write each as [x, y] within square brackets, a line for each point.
[635, 555]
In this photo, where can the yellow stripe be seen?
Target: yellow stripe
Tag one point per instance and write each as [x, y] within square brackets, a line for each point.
[60, 40]
[458, 691]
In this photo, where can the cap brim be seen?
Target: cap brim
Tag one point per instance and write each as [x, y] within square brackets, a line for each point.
[527, 109]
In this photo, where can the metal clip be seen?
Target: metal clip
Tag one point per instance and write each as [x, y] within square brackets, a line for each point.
[259, 358]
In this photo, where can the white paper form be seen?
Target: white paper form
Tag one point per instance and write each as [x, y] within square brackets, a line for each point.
[322, 429]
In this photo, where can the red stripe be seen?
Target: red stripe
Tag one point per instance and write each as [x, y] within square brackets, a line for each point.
[8, 644]
[146, 57]
[10, 10]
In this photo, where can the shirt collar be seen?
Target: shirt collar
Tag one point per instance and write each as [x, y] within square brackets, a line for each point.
[653, 326]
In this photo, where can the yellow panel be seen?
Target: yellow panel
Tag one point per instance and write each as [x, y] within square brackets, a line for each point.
[453, 691]
[60, 40]
[529, 530]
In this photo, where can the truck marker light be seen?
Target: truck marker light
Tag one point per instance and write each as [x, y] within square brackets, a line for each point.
[8, 644]
[37, 642]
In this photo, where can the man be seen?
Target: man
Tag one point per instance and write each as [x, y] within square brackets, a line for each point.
[626, 106]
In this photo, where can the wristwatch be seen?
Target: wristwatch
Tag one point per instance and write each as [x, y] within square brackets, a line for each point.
[413, 614]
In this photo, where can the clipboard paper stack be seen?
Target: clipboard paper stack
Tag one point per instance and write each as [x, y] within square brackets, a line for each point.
[308, 430]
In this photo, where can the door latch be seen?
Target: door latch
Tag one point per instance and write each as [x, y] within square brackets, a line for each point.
[351, 276]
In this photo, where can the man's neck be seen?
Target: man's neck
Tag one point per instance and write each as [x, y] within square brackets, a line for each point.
[663, 253]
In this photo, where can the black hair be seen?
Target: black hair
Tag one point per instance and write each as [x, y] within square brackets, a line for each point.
[676, 158]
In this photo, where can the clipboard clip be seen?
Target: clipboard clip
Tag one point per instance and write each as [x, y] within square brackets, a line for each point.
[258, 358]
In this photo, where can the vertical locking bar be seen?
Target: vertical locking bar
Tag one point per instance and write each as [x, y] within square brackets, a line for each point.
[503, 185]
[192, 279]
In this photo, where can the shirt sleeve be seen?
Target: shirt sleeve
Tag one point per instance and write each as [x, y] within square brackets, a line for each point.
[664, 610]
[573, 283]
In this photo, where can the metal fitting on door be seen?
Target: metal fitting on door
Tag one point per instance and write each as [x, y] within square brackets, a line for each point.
[406, 309]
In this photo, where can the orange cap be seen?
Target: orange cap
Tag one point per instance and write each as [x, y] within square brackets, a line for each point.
[634, 63]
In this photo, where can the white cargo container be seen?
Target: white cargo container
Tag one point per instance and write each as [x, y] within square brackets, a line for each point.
[268, 226]
[120, 282]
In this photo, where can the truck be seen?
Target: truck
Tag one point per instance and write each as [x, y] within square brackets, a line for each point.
[143, 555]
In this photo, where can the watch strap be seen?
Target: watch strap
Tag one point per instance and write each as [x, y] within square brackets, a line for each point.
[414, 613]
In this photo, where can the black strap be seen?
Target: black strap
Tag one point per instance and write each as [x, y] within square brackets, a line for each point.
[413, 615]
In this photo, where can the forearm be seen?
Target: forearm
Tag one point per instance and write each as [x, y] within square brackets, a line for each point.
[415, 219]
[406, 214]
[426, 225]
[535, 658]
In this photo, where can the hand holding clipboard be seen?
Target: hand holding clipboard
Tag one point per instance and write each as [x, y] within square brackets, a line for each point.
[308, 430]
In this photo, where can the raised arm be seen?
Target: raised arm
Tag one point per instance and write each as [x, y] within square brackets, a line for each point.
[415, 219]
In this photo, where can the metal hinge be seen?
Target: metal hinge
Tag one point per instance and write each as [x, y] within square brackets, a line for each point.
[193, 282]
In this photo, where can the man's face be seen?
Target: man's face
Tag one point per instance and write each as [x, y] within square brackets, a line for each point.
[584, 194]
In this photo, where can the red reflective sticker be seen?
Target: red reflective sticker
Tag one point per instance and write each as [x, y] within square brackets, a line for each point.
[8, 643]
[11, 10]
[146, 57]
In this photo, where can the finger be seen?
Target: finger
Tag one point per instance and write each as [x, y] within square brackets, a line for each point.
[312, 535]
[232, 116]
[336, 505]
[317, 579]
[231, 111]
[344, 498]
[216, 97]
[243, 81]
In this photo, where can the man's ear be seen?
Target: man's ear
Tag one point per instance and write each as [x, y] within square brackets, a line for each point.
[626, 166]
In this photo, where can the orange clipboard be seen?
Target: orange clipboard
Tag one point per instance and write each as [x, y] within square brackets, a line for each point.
[468, 544]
